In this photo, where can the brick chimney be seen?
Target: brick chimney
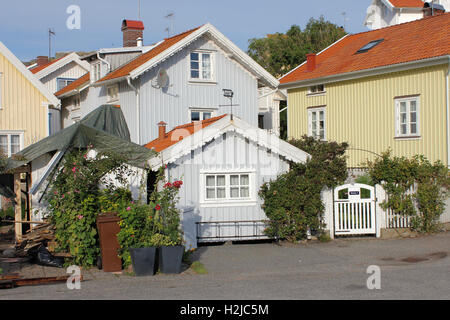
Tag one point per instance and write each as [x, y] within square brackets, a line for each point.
[41, 60]
[162, 130]
[132, 30]
[310, 61]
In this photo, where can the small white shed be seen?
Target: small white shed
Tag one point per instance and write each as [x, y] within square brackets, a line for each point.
[223, 162]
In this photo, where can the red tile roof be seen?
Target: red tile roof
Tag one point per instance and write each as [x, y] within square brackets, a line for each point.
[140, 60]
[412, 41]
[42, 67]
[407, 3]
[74, 85]
[188, 129]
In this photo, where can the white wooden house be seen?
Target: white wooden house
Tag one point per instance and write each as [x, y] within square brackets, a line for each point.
[177, 80]
[223, 162]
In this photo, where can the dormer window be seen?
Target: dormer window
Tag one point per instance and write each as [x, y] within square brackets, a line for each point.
[201, 66]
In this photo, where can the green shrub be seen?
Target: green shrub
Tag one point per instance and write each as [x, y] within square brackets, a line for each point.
[293, 201]
[415, 187]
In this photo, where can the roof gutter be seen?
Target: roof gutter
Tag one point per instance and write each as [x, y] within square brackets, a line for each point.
[367, 72]
[138, 111]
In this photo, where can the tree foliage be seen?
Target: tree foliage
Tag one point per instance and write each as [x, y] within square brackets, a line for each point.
[293, 201]
[279, 53]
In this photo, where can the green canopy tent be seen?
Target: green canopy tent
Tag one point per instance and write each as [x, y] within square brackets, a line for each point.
[104, 128]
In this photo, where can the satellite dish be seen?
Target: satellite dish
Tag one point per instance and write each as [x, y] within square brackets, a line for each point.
[162, 79]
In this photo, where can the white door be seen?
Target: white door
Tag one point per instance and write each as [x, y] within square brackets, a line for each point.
[354, 210]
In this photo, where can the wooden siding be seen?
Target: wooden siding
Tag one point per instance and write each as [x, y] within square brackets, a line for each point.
[70, 71]
[362, 112]
[228, 155]
[22, 105]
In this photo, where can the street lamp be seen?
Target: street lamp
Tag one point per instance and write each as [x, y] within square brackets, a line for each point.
[228, 93]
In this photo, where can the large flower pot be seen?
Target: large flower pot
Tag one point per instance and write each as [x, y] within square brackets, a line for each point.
[143, 261]
[170, 258]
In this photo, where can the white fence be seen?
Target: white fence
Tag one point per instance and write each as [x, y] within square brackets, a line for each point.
[340, 216]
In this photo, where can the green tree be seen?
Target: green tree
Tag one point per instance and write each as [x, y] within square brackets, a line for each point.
[279, 53]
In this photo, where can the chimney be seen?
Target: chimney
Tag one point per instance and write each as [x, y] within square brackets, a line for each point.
[41, 60]
[310, 61]
[162, 130]
[132, 30]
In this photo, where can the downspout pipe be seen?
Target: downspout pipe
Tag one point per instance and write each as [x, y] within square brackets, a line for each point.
[105, 61]
[138, 112]
[448, 112]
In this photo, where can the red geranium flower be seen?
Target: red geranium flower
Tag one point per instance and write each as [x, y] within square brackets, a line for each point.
[157, 207]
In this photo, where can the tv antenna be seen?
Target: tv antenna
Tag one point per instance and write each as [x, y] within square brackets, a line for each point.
[139, 9]
[344, 15]
[162, 80]
[50, 34]
[170, 16]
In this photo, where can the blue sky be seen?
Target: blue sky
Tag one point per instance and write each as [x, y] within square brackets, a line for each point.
[24, 23]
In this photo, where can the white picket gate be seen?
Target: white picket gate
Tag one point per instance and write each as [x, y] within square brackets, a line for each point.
[354, 210]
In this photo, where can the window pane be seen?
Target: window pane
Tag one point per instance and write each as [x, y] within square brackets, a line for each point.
[210, 193]
[322, 134]
[403, 128]
[403, 118]
[206, 115]
[413, 128]
[245, 180]
[220, 180]
[15, 144]
[194, 56]
[402, 106]
[234, 180]
[210, 181]
[195, 116]
[320, 88]
[314, 116]
[234, 192]
[220, 193]
[194, 65]
[412, 105]
[413, 117]
[321, 115]
[4, 144]
[245, 192]
[195, 74]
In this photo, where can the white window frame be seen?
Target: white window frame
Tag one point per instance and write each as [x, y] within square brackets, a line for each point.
[1, 90]
[408, 123]
[13, 133]
[312, 92]
[200, 70]
[115, 97]
[228, 200]
[317, 110]
[96, 71]
[66, 80]
[213, 112]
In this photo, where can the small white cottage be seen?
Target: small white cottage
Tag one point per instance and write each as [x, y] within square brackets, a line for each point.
[222, 161]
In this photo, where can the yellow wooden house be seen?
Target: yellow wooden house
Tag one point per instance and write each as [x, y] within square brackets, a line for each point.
[25, 105]
[387, 88]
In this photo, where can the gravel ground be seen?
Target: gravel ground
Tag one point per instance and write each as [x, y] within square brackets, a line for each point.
[416, 268]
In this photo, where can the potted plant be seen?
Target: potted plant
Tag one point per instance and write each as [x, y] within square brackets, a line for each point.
[168, 223]
[137, 239]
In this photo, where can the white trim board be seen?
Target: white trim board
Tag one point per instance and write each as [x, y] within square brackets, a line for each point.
[29, 75]
[235, 53]
[201, 137]
[73, 57]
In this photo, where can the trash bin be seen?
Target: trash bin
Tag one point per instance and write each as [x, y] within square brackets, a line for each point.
[108, 228]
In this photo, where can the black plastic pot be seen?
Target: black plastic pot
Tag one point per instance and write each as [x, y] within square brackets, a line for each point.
[143, 261]
[170, 258]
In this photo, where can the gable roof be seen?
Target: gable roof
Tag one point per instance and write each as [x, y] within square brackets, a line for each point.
[406, 3]
[28, 75]
[74, 86]
[170, 46]
[410, 42]
[46, 69]
[172, 136]
[196, 136]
